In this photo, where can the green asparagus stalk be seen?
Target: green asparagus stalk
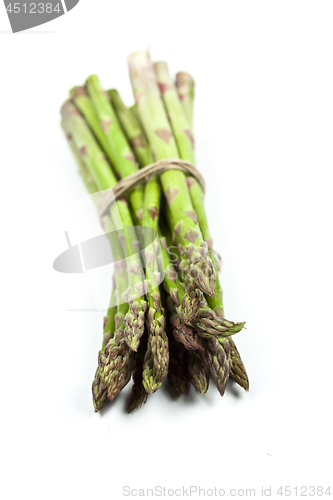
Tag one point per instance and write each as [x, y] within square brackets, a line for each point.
[124, 162]
[81, 99]
[116, 362]
[177, 374]
[205, 321]
[238, 371]
[189, 301]
[117, 365]
[152, 195]
[134, 110]
[185, 334]
[182, 332]
[185, 144]
[199, 268]
[219, 357]
[184, 139]
[217, 354]
[198, 371]
[121, 379]
[91, 154]
[85, 104]
[98, 167]
[185, 88]
[188, 304]
[157, 356]
[156, 359]
[120, 153]
[210, 325]
[185, 85]
[132, 129]
[87, 178]
[100, 393]
[135, 317]
[134, 320]
[178, 120]
[116, 354]
[98, 389]
[109, 324]
[138, 395]
[198, 200]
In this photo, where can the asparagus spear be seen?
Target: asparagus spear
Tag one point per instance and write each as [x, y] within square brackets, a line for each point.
[118, 151]
[123, 160]
[117, 361]
[238, 371]
[84, 103]
[188, 305]
[198, 371]
[206, 322]
[157, 355]
[199, 269]
[189, 301]
[110, 387]
[81, 99]
[156, 361]
[177, 374]
[217, 354]
[132, 129]
[185, 144]
[185, 335]
[209, 325]
[134, 110]
[134, 320]
[83, 171]
[178, 120]
[217, 357]
[98, 388]
[138, 395]
[116, 354]
[185, 87]
[184, 139]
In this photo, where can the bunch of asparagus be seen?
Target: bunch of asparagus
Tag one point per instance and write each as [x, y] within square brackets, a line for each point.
[154, 328]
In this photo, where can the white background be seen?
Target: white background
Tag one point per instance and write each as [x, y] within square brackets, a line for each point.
[263, 126]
